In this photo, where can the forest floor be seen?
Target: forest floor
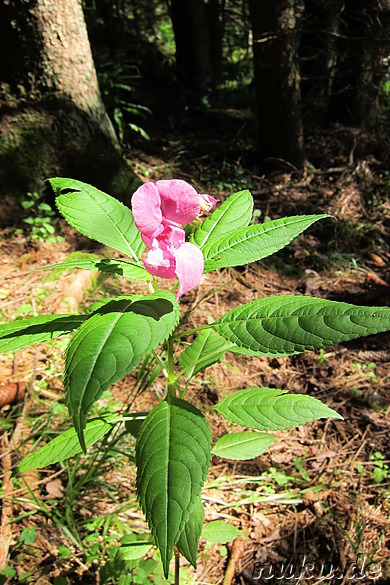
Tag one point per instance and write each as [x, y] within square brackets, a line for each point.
[320, 494]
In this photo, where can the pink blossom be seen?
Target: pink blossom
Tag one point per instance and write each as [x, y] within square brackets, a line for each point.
[207, 202]
[160, 210]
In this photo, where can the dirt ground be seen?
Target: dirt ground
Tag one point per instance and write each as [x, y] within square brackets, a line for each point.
[320, 494]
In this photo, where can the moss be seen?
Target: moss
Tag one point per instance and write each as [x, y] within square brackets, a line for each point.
[25, 153]
[56, 139]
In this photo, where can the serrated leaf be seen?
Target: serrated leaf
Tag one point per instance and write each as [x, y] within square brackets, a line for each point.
[272, 409]
[207, 349]
[115, 338]
[188, 542]
[98, 216]
[173, 457]
[218, 531]
[107, 265]
[19, 334]
[66, 445]
[285, 325]
[242, 446]
[234, 213]
[254, 242]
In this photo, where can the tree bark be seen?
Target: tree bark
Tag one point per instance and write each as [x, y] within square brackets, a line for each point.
[52, 118]
[190, 27]
[275, 51]
[318, 57]
[216, 27]
[363, 43]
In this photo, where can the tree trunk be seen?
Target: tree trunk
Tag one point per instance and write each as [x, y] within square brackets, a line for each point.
[216, 27]
[190, 27]
[362, 46]
[318, 57]
[275, 25]
[52, 118]
[105, 9]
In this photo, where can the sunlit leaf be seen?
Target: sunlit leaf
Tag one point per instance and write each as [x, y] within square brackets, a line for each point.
[19, 334]
[219, 531]
[207, 349]
[134, 546]
[98, 216]
[66, 445]
[272, 409]
[242, 446]
[234, 213]
[284, 325]
[254, 242]
[109, 266]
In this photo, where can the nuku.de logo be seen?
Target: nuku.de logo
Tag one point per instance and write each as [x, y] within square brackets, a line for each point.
[306, 568]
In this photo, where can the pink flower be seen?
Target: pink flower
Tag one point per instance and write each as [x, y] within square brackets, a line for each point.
[160, 210]
[207, 202]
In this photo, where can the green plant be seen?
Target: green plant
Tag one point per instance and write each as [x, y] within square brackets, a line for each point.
[381, 470]
[117, 82]
[173, 441]
[41, 218]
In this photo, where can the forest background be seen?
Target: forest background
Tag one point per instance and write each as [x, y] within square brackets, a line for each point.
[287, 98]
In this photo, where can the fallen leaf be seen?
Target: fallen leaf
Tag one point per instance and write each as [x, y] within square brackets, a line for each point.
[55, 489]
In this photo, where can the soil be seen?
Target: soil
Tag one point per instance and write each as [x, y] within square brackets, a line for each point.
[320, 494]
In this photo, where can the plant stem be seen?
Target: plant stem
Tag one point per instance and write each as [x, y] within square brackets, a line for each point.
[190, 331]
[171, 370]
[161, 363]
[177, 567]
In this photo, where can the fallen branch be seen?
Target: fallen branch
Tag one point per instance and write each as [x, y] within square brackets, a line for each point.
[6, 510]
[235, 554]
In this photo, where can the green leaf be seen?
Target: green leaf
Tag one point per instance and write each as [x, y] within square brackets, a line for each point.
[189, 538]
[234, 213]
[134, 546]
[66, 445]
[173, 457]
[272, 409]
[285, 325]
[28, 535]
[98, 216]
[107, 265]
[207, 349]
[254, 242]
[242, 446]
[134, 423]
[110, 343]
[218, 531]
[19, 334]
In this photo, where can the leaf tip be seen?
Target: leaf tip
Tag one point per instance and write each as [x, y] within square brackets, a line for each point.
[80, 434]
[336, 415]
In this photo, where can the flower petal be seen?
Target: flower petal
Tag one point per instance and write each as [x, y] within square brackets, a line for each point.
[172, 234]
[179, 201]
[146, 206]
[189, 267]
[207, 202]
[161, 263]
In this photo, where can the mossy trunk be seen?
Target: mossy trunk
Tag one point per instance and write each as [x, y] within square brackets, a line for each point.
[52, 118]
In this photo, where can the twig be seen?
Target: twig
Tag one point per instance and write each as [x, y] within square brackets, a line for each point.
[236, 552]
[6, 512]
